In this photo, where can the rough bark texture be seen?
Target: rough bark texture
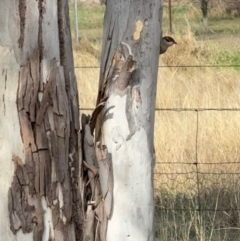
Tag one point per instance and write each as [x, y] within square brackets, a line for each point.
[40, 188]
[124, 128]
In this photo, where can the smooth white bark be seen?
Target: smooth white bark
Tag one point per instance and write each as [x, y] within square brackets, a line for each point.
[132, 214]
[10, 138]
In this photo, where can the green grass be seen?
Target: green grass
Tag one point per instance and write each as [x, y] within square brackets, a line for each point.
[221, 30]
[227, 58]
[181, 219]
[90, 22]
[89, 17]
[190, 16]
[225, 25]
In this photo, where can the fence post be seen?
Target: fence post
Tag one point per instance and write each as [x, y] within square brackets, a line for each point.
[170, 15]
[76, 20]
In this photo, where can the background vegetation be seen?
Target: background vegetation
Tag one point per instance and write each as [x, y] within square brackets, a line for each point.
[193, 202]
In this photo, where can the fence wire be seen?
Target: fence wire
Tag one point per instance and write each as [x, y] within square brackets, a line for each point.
[173, 66]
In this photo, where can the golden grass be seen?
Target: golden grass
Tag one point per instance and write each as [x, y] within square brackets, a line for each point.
[175, 132]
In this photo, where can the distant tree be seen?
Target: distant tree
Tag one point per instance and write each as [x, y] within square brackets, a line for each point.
[204, 8]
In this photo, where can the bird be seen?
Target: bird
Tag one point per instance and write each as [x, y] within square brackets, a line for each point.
[166, 42]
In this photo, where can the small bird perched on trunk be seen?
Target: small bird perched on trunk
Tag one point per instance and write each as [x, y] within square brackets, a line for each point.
[166, 42]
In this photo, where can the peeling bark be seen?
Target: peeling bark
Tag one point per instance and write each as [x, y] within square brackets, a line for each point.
[99, 185]
[46, 149]
[45, 183]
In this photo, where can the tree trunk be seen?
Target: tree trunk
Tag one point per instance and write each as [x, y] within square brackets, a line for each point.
[204, 8]
[124, 129]
[40, 179]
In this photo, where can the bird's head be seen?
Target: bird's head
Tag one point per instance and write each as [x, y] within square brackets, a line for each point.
[169, 40]
[165, 43]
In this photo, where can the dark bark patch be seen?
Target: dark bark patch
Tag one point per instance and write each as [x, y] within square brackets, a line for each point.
[20, 212]
[34, 74]
[40, 29]
[22, 15]
[27, 132]
[28, 93]
[5, 79]
[41, 138]
[4, 106]
[61, 32]
[45, 131]
[22, 86]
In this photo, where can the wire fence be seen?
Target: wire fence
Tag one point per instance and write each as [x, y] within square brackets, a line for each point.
[198, 200]
[195, 199]
[173, 66]
[197, 178]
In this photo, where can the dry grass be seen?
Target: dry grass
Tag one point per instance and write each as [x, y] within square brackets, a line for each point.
[182, 87]
[175, 132]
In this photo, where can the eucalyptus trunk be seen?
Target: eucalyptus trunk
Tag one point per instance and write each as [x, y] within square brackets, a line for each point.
[125, 124]
[40, 179]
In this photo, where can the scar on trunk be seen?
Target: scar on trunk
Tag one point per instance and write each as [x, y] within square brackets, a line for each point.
[139, 28]
[124, 65]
